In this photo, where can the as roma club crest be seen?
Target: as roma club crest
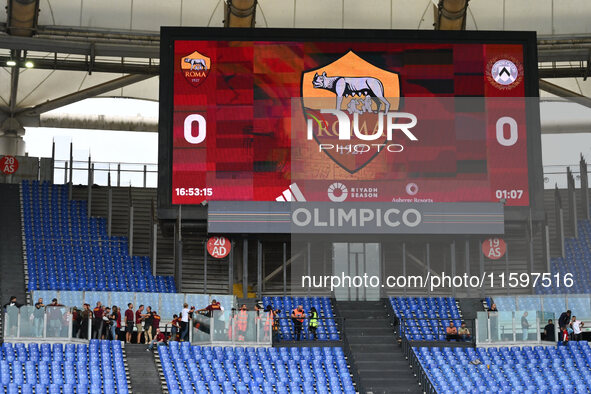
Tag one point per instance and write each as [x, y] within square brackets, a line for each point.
[347, 102]
[195, 68]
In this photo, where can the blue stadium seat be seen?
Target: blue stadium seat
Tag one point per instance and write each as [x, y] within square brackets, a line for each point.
[67, 250]
[425, 318]
[508, 370]
[196, 369]
[63, 368]
[576, 261]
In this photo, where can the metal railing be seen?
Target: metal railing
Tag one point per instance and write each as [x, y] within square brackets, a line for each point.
[417, 367]
[232, 328]
[81, 172]
[48, 323]
[512, 327]
[167, 304]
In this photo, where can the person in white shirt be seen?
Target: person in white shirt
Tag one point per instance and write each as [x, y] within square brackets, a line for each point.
[577, 326]
[185, 321]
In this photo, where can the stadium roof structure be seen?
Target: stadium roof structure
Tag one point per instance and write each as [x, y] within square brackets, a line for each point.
[84, 48]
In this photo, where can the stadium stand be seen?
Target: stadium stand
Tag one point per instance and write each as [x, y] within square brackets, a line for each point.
[560, 369]
[68, 250]
[327, 327]
[425, 318]
[97, 367]
[576, 261]
[196, 369]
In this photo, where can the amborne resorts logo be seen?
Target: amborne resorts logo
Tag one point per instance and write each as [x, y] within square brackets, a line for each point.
[195, 68]
[350, 107]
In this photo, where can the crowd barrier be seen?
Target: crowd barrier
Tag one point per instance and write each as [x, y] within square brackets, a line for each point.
[513, 327]
[166, 304]
[49, 323]
[232, 328]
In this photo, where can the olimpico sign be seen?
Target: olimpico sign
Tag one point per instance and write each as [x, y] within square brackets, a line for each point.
[355, 218]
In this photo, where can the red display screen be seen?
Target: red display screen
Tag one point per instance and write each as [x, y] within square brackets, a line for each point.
[249, 121]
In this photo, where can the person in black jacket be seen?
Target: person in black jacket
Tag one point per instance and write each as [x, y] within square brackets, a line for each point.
[564, 319]
[493, 315]
[12, 302]
[11, 310]
[550, 332]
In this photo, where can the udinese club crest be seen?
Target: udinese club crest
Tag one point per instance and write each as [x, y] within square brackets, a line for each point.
[360, 91]
[504, 73]
[195, 68]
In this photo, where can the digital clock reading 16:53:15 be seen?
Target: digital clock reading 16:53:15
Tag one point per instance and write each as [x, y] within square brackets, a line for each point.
[194, 191]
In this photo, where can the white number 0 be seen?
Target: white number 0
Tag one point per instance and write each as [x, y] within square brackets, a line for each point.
[201, 123]
[506, 120]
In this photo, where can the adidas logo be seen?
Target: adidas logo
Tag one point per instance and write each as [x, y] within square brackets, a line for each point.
[293, 193]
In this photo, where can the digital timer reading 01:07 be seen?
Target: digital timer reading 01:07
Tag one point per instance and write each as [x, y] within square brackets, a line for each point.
[509, 194]
[194, 191]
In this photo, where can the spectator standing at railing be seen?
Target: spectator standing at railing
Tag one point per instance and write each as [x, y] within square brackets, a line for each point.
[241, 322]
[297, 317]
[185, 321]
[493, 316]
[38, 315]
[577, 326]
[115, 322]
[105, 332]
[86, 317]
[214, 311]
[97, 321]
[54, 318]
[76, 321]
[129, 319]
[549, 331]
[155, 323]
[138, 322]
[313, 322]
[12, 302]
[564, 319]
[11, 310]
[174, 327]
[148, 318]
[269, 326]
[525, 327]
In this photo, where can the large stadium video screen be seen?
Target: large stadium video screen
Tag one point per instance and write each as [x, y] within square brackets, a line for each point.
[292, 115]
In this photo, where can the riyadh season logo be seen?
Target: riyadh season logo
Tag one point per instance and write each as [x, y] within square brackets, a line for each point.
[337, 192]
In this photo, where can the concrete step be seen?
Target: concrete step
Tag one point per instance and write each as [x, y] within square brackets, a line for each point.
[143, 373]
[369, 314]
[373, 365]
[374, 349]
[371, 331]
[392, 386]
[371, 339]
[368, 322]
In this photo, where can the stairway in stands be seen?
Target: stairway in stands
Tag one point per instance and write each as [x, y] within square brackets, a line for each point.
[376, 356]
[12, 274]
[470, 307]
[193, 243]
[143, 373]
